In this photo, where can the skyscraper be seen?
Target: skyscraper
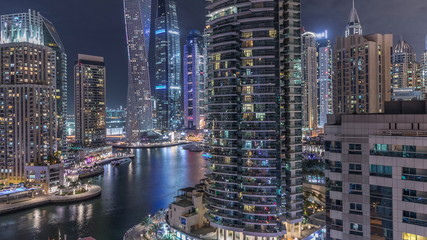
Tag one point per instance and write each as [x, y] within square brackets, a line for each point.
[41, 31]
[28, 116]
[194, 81]
[89, 100]
[168, 89]
[406, 71]
[424, 66]
[139, 107]
[361, 81]
[324, 75]
[354, 27]
[254, 118]
[309, 77]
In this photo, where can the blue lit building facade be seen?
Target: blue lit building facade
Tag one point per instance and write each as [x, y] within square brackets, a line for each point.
[139, 117]
[168, 86]
[194, 81]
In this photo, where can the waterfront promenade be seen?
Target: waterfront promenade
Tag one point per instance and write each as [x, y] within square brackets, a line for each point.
[38, 201]
[154, 145]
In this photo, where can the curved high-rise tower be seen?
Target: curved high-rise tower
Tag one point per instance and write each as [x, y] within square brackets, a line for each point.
[169, 116]
[139, 112]
[253, 116]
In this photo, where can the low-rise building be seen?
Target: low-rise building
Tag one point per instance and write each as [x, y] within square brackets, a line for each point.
[186, 215]
[46, 177]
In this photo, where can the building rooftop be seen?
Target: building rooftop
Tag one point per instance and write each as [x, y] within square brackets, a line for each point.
[183, 203]
[187, 189]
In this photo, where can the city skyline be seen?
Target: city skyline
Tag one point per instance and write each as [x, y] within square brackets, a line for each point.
[260, 120]
[110, 40]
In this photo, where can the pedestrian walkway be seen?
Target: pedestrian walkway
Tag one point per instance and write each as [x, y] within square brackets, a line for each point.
[38, 201]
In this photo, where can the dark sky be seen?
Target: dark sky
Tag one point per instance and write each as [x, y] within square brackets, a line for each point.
[97, 27]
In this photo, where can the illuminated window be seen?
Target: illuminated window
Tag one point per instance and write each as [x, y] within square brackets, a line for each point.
[272, 33]
[410, 236]
[248, 43]
[247, 35]
[248, 89]
[248, 107]
[248, 208]
[216, 66]
[216, 57]
[247, 53]
[248, 62]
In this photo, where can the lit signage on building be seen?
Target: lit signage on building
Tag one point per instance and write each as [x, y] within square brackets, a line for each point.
[322, 35]
[160, 31]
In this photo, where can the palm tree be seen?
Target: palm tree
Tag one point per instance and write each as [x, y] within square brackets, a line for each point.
[147, 220]
[154, 229]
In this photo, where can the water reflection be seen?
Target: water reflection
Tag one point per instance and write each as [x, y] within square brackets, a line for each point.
[129, 192]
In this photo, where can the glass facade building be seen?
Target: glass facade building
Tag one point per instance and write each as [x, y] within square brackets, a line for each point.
[254, 118]
[139, 116]
[309, 76]
[194, 59]
[168, 86]
[324, 75]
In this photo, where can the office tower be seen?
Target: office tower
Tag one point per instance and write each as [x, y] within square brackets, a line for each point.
[32, 26]
[406, 71]
[324, 75]
[169, 116]
[194, 81]
[89, 100]
[139, 115]
[254, 118]
[377, 174]
[309, 78]
[28, 117]
[361, 80]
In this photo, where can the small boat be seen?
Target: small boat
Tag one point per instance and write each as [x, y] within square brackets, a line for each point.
[197, 148]
[91, 172]
[121, 161]
[188, 146]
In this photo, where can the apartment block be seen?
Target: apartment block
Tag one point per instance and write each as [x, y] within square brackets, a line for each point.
[377, 173]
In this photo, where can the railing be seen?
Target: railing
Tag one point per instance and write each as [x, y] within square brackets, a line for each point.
[410, 133]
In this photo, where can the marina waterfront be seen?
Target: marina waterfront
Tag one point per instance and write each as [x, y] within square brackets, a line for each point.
[129, 192]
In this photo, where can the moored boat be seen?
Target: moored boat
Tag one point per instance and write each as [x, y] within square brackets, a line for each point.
[121, 161]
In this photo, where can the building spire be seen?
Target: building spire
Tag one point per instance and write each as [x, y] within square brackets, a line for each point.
[353, 26]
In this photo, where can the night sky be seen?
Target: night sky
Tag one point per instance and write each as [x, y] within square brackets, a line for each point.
[97, 27]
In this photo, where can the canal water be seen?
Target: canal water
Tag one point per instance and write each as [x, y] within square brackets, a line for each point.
[129, 192]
